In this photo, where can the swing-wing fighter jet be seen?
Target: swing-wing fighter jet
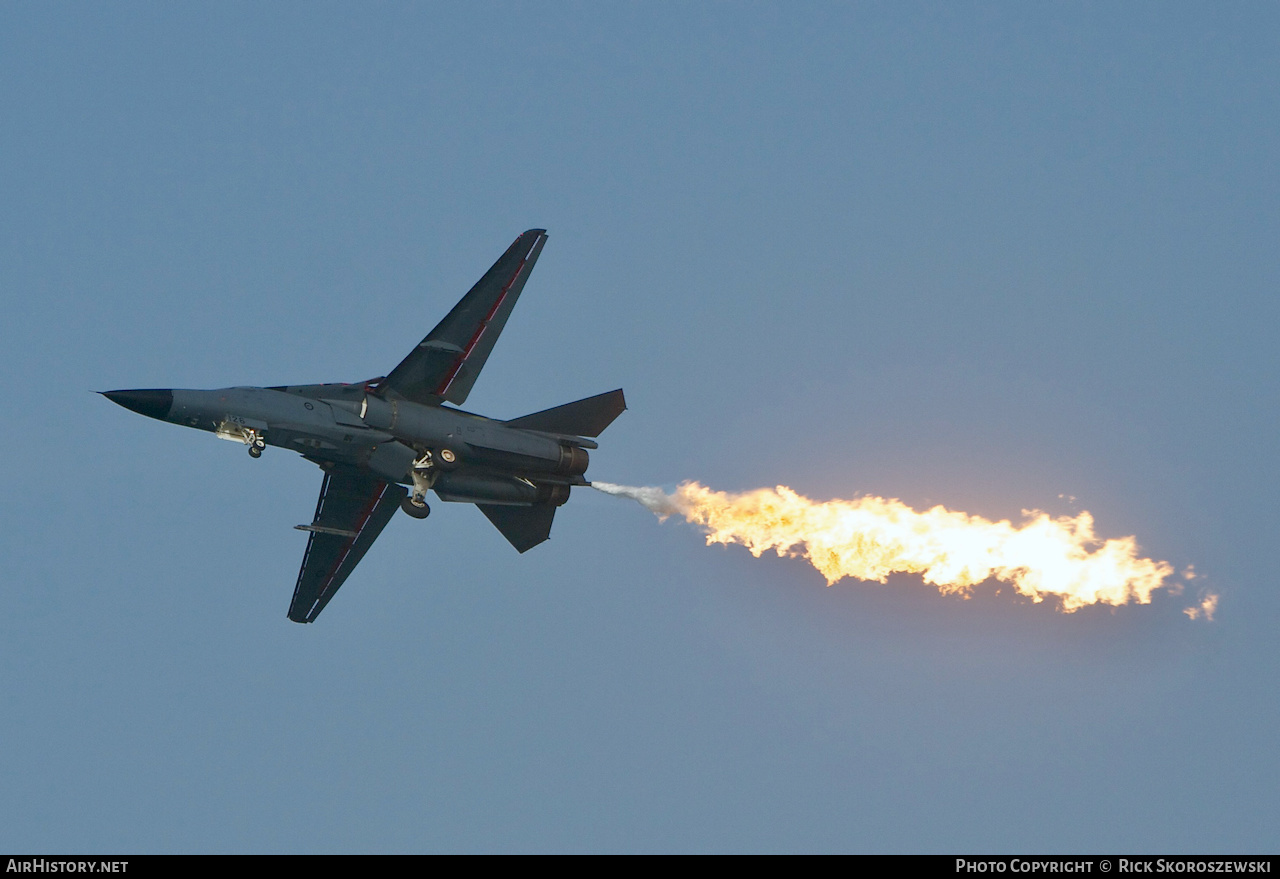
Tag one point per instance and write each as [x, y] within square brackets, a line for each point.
[384, 443]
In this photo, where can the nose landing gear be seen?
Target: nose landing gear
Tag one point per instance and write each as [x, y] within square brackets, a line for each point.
[256, 443]
[239, 432]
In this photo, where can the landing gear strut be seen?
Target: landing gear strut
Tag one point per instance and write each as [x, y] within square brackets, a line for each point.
[424, 475]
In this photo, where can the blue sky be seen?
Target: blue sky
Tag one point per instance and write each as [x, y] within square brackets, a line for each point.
[994, 256]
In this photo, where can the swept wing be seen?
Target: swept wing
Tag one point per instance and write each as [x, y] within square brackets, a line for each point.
[446, 363]
[352, 510]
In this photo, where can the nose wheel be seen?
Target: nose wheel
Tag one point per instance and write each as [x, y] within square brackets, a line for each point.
[256, 444]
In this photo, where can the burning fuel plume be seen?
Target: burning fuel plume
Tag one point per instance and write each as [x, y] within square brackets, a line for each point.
[869, 538]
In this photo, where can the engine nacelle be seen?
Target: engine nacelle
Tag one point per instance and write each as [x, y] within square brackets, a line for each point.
[482, 488]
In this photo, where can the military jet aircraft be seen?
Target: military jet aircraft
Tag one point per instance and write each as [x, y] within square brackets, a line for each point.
[375, 437]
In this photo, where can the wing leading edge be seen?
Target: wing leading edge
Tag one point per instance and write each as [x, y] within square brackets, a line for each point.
[352, 510]
[447, 362]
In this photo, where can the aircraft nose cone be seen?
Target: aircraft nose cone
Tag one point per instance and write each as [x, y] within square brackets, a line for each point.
[152, 403]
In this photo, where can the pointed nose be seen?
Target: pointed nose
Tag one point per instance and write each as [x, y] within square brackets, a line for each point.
[152, 403]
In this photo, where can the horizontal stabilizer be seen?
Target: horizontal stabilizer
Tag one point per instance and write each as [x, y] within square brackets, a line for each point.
[587, 417]
[524, 527]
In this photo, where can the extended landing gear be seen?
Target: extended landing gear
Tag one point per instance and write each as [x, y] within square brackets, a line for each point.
[424, 475]
[239, 432]
[414, 507]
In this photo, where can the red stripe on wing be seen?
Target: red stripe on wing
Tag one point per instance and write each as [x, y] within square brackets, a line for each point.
[484, 325]
[346, 550]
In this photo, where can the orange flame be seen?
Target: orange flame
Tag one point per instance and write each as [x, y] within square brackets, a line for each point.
[870, 538]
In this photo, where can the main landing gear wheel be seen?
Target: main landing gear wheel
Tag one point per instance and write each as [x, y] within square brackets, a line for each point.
[418, 510]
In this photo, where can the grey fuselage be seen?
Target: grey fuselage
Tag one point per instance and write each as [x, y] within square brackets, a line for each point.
[474, 459]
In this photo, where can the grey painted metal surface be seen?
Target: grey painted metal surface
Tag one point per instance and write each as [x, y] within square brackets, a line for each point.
[372, 438]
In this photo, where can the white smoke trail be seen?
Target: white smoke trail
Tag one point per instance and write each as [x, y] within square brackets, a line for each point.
[650, 496]
[870, 538]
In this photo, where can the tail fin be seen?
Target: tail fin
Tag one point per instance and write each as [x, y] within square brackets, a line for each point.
[587, 417]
